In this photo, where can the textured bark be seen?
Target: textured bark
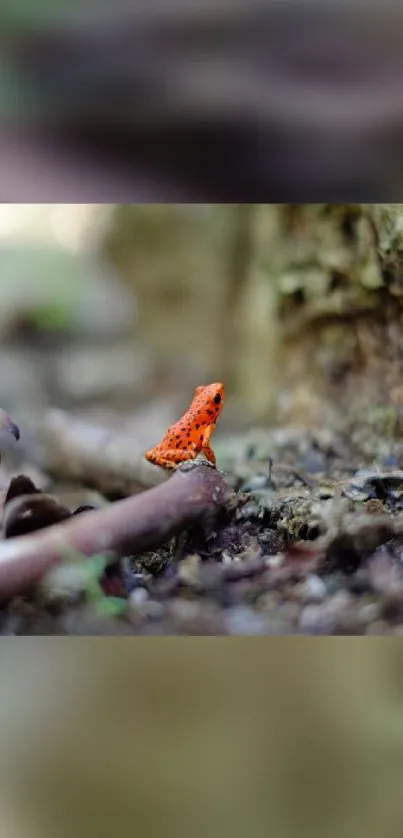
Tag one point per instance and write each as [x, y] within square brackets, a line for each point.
[340, 309]
[297, 306]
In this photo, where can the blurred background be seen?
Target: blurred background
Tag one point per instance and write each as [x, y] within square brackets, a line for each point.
[126, 308]
[255, 100]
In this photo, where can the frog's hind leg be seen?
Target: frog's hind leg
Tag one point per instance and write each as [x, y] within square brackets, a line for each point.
[174, 456]
[206, 447]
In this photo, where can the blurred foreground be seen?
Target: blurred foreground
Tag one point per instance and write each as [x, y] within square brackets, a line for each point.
[208, 739]
[295, 307]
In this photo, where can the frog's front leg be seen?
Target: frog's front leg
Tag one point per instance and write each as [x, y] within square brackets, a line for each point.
[206, 447]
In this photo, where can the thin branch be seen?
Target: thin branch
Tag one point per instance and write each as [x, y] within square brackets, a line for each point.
[191, 496]
[73, 448]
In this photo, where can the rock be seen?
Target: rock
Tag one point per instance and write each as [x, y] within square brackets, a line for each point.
[313, 589]
[369, 613]
[141, 608]
[385, 572]
[242, 620]
[312, 620]
[336, 615]
[189, 570]
[289, 613]
[183, 611]
[196, 618]
[313, 463]
[66, 583]
[138, 596]
[391, 607]
[259, 481]
[335, 582]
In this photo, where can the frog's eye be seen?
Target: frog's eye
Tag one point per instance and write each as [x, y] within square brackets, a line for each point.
[217, 398]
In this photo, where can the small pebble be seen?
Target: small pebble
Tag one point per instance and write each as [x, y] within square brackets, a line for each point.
[183, 610]
[334, 614]
[138, 596]
[356, 493]
[268, 602]
[257, 482]
[241, 620]
[188, 571]
[65, 582]
[276, 560]
[369, 613]
[314, 463]
[311, 618]
[325, 493]
[335, 583]
[290, 612]
[12, 625]
[360, 582]
[313, 589]
[374, 507]
[142, 608]
[390, 460]
[392, 605]
[155, 610]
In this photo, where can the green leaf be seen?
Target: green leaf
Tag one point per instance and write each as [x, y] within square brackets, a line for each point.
[112, 607]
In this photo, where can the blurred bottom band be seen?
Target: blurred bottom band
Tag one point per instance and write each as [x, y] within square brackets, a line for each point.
[208, 737]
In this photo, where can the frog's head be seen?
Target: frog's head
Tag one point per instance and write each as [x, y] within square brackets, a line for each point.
[211, 397]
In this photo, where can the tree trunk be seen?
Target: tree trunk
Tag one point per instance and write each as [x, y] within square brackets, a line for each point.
[298, 307]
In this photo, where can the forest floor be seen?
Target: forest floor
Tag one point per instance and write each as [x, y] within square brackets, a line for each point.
[298, 532]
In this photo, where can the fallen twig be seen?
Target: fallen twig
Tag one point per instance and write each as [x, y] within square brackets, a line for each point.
[96, 455]
[135, 524]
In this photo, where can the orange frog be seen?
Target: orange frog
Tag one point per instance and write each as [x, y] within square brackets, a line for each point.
[191, 435]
